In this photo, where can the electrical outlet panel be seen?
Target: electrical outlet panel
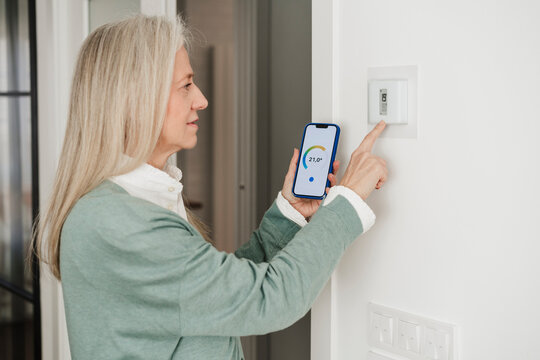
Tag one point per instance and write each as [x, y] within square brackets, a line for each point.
[382, 328]
[409, 336]
[413, 336]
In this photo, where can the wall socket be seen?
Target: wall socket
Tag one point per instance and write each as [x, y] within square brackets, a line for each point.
[382, 328]
[413, 336]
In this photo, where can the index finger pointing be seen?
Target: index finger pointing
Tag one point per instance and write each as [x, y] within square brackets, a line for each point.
[367, 144]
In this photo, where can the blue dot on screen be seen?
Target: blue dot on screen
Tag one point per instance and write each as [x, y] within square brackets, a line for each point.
[311, 179]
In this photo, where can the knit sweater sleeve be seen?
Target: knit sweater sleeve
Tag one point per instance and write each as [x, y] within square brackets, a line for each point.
[281, 222]
[161, 278]
[274, 232]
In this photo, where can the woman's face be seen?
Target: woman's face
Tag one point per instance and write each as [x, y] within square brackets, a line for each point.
[179, 130]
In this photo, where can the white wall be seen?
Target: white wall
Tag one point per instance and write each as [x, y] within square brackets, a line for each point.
[457, 235]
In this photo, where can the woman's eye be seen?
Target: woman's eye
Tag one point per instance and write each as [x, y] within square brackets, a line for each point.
[187, 86]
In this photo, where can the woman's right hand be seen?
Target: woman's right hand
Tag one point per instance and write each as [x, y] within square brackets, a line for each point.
[366, 171]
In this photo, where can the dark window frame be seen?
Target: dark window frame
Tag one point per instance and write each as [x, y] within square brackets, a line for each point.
[33, 297]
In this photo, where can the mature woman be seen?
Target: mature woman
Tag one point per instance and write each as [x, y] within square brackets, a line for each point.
[140, 278]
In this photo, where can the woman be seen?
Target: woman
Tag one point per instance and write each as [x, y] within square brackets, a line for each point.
[139, 279]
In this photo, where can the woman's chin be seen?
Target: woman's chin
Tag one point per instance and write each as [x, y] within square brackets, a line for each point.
[191, 144]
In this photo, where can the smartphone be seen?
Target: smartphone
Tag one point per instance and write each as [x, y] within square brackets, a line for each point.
[317, 153]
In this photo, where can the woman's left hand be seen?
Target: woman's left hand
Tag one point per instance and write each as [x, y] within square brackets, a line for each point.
[306, 207]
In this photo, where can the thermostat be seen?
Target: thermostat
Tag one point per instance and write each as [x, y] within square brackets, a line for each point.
[388, 101]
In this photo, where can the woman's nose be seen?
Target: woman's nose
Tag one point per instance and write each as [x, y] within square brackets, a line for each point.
[201, 102]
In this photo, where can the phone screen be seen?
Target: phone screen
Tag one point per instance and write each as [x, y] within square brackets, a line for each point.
[316, 154]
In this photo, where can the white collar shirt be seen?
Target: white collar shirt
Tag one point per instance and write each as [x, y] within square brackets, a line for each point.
[161, 187]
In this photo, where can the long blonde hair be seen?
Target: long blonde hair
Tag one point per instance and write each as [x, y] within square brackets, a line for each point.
[118, 103]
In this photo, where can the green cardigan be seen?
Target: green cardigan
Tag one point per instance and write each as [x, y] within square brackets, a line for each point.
[140, 282]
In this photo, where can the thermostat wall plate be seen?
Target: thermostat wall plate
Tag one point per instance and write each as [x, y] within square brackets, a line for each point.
[392, 98]
[388, 101]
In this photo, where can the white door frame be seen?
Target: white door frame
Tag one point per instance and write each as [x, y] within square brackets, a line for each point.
[324, 102]
[61, 27]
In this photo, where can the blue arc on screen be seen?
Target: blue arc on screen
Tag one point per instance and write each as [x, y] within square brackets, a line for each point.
[308, 150]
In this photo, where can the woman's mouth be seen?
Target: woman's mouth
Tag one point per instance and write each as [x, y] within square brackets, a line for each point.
[193, 123]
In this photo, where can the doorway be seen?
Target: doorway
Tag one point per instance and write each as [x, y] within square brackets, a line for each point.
[252, 60]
